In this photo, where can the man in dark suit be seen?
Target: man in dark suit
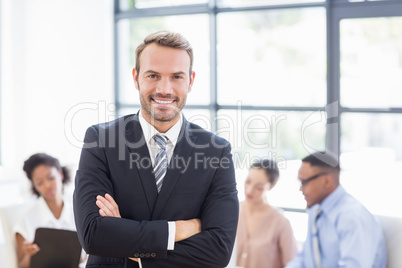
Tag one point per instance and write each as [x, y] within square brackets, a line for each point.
[153, 190]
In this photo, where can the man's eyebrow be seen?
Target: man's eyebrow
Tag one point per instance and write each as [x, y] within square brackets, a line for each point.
[151, 71]
[155, 72]
[179, 73]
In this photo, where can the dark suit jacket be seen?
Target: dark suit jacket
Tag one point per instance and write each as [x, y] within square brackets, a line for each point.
[200, 183]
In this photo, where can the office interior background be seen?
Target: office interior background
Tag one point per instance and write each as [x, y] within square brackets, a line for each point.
[278, 79]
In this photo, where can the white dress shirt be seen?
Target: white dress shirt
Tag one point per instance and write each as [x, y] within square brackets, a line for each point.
[350, 236]
[172, 136]
[40, 216]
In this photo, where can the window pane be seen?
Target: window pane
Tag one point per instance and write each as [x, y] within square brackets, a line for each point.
[371, 62]
[372, 157]
[237, 3]
[195, 28]
[382, 131]
[288, 135]
[282, 136]
[199, 117]
[272, 58]
[127, 4]
[299, 223]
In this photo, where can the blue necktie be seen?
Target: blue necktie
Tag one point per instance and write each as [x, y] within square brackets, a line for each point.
[161, 161]
[316, 242]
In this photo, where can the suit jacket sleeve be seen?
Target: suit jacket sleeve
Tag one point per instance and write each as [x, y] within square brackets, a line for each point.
[109, 236]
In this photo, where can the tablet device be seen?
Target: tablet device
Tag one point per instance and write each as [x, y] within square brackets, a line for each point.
[58, 249]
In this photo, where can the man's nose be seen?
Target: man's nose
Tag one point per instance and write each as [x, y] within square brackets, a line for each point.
[301, 188]
[164, 86]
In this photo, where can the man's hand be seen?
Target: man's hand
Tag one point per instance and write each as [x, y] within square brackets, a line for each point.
[107, 206]
[186, 229]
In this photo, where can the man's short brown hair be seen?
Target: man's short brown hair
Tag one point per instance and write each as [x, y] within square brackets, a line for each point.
[165, 39]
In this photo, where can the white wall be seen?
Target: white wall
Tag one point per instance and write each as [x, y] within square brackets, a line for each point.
[57, 64]
[56, 80]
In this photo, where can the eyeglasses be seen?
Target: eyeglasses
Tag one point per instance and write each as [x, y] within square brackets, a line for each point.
[305, 181]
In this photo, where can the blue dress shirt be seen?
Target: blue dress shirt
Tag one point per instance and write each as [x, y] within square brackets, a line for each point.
[349, 235]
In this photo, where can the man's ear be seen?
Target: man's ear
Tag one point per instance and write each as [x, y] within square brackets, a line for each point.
[192, 76]
[329, 179]
[135, 78]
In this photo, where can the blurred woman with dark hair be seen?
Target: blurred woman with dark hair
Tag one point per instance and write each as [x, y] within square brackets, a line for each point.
[264, 236]
[51, 211]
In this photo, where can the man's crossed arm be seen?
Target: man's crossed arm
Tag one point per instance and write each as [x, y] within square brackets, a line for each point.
[184, 228]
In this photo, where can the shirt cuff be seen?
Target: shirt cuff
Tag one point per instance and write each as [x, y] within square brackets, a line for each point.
[139, 263]
[171, 235]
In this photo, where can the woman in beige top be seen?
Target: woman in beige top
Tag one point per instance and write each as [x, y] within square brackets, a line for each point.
[264, 236]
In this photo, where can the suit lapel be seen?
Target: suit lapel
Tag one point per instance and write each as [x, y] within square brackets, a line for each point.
[137, 146]
[182, 151]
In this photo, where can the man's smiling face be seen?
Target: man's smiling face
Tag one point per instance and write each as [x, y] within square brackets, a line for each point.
[163, 83]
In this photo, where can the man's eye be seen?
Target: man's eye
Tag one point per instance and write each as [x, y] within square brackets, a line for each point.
[177, 77]
[152, 76]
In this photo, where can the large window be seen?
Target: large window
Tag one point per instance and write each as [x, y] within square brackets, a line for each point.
[265, 56]
[370, 84]
[283, 79]
[1, 99]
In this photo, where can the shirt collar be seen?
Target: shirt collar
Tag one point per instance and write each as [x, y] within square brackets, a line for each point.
[47, 213]
[43, 207]
[149, 131]
[331, 200]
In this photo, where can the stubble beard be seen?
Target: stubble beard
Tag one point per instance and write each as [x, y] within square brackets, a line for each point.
[161, 115]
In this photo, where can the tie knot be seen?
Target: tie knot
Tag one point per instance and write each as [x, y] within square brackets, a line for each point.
[160, 141]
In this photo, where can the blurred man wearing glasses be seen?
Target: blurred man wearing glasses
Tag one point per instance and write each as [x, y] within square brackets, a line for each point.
[342, 232]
